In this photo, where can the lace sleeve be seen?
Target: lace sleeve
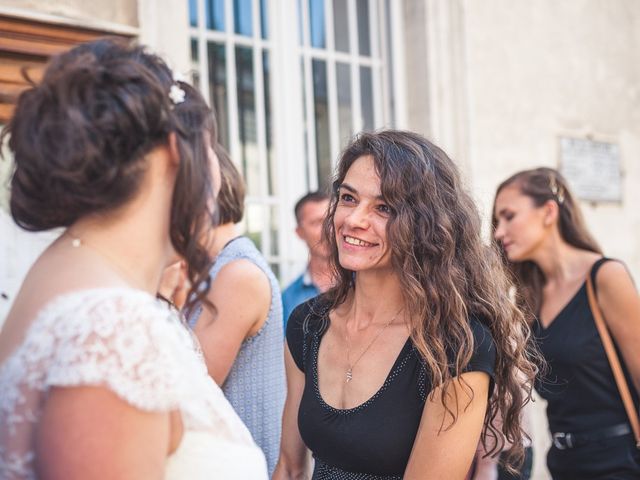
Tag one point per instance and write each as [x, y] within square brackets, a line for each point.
[127, 343]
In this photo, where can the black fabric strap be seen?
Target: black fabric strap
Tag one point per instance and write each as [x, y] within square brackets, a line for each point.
[594, 271]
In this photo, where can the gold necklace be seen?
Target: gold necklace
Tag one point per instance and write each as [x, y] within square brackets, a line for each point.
[349, 373]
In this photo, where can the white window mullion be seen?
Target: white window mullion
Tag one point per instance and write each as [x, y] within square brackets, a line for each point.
[398, 64]
[261, 128]
[332, 85]
[356, 107]
[376, 39]
[232, 87]
[385, 68]
[310, 109]
[203, 57]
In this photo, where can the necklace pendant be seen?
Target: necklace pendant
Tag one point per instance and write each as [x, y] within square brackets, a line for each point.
[349, 375]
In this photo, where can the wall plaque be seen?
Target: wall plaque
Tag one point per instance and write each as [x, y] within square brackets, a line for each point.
[592, 169]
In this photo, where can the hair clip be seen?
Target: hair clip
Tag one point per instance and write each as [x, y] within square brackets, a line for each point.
[176, 94]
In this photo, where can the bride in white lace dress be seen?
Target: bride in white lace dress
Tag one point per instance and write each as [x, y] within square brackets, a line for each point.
[98, 378]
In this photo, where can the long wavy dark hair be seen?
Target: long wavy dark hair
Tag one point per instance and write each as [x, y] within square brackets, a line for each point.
[446, 272]
[542, 185]
[80, 138]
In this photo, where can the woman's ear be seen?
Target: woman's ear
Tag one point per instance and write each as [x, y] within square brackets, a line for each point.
[552, 212]
[174, 152]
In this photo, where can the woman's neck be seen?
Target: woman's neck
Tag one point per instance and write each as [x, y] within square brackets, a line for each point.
[377, 297]
[221, 236]
[134, 240]
[561, 262]
[135, 252]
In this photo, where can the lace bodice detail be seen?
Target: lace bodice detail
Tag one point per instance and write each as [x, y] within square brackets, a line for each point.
[120, 339]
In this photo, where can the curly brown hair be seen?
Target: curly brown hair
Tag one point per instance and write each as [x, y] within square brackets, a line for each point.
[80, 138]
[447, 275]
[541, 185]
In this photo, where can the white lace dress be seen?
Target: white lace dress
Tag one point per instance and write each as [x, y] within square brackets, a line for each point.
[128, 342]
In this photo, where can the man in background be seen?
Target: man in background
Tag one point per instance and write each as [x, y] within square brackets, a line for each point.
[310, 212]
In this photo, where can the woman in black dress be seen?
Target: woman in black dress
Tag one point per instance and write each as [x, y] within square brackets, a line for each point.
[391, 373]
[550, 253]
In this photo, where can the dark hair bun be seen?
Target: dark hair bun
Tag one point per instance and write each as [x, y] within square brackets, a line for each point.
[79, 137]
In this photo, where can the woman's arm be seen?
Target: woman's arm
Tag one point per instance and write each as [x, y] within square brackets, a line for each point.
[443, 451]
[293, 462]
[89, 432]
[620, 304]
[241, 295]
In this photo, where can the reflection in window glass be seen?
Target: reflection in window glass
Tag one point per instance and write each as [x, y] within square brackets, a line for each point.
[273, 231]
[275, 268]
[218, 89]
[343, 74]
[321, 106]
[247, 119]
[193, 13]
[300, 35]
[364, 42]
[341, 25]
[214, 13]
[271, 164]
[305, 126]
[195, 57]
[195, 79]
[264, 19]
[316, 23]
[391, 79]
[254, 221]
[366, 97]
[243, 17]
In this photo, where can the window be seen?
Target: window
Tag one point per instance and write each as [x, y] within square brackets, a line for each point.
[344, 71]
[331, 81]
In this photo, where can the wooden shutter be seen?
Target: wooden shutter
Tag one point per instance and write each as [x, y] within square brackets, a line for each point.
[25, 47]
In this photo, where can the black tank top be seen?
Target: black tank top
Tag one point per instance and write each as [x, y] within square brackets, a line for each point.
[579, 386]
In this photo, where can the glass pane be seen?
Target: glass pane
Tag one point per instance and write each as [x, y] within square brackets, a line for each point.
[321, 110]
[271, 164]
[275, 268]
[264, 19]
[300, 35]
[388, 43]
[305, 126]
[193, 13]
[195, 81]
[343, 73]
[316, 23]
[366, 98]
[195, 57]
[243, 17]
[214, 13]
[364, 42]
[273, 231]
[218, 89]
[247, 120]
[341, 25]
[255, 222]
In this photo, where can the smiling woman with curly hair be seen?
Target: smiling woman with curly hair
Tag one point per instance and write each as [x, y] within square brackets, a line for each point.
[402, 367]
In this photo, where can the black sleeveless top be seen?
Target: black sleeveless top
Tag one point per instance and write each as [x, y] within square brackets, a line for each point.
[373, 440]
[579, 386]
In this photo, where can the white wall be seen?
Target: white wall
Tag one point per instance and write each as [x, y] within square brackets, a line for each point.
[538, 70]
